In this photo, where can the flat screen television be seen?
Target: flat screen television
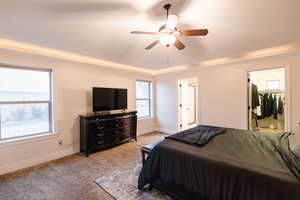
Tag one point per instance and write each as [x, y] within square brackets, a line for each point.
[105, 99]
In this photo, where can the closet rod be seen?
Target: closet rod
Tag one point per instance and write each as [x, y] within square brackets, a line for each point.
[271, 91]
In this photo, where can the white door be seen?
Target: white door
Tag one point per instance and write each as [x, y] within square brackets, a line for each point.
[191, 107]
[187, 105]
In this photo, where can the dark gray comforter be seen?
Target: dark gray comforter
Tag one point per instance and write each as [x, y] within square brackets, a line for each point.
[200, 135]
[236, 165]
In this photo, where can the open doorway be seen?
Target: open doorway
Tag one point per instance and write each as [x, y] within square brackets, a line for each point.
[187, 103]
[267, 101]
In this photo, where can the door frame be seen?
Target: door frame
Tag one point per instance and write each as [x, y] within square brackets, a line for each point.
[288, 116]
[195, 103]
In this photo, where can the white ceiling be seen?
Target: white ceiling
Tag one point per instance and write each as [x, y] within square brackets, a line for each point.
[101, 28]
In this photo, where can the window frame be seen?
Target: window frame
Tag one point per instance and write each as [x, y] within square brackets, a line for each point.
[48, 102]
[145, 99]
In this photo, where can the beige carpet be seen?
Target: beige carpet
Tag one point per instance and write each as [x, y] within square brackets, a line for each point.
[72, 178]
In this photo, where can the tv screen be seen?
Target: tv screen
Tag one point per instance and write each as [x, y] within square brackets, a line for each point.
[105, 99]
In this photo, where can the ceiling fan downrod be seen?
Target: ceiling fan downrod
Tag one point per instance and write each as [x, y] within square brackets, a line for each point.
[167, 8]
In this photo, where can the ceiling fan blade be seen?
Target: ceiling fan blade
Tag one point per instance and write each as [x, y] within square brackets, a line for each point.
[172, 21]
[179, 45]
[196, 32]
[152, 45]
[143, 32]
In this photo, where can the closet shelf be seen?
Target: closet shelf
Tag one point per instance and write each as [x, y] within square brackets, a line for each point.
[271, 91]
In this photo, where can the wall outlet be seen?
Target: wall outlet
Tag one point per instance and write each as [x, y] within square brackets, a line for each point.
[60, 142]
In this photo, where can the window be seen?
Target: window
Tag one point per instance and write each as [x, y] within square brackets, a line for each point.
[143, 98]
[25, 102]
[273, 84]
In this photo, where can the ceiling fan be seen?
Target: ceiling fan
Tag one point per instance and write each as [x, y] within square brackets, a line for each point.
[169, 33]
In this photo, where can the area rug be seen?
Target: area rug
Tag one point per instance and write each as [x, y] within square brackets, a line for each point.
[121, 184]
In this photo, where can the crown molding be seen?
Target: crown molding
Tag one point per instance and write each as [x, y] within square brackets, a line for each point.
[262, 53]
[53, 53]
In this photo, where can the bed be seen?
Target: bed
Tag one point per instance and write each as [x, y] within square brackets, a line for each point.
[231, 165]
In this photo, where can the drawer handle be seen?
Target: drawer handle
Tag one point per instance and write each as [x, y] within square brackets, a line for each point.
[100, 127]
[100, 142]
[100, 135]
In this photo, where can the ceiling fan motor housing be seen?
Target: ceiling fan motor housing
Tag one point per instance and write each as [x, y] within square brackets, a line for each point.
[167, 6]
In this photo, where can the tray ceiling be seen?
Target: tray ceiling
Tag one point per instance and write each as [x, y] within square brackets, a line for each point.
[101, 29]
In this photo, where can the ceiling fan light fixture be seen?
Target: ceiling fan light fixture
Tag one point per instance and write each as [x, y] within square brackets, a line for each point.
[167, 39]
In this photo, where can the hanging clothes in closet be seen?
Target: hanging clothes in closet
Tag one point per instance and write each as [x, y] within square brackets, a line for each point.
[280, 106]
[275, 116]
[265, 105]
[271, 105]
[255, 97]
[267, 108]
[270, 113]
[255, 103]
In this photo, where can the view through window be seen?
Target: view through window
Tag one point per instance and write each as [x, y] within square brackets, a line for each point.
[143, 98]
[25, 102]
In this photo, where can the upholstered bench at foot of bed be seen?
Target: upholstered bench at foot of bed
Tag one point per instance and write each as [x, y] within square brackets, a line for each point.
[145, 150]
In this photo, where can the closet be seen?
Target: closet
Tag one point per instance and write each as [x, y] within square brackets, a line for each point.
[267, 100]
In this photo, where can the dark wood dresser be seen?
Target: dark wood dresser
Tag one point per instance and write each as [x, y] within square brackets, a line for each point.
[102, 131]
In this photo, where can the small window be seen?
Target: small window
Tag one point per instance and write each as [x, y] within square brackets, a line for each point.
[143, 98]
[25, 102]
[273, 84]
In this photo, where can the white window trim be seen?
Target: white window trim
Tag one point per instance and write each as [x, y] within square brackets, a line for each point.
[25, 138]
[28, 139]
[148, 99]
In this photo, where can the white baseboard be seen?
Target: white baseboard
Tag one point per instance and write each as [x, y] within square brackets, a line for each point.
[149, 130]
[35, 161]
[60, 154]
[167, 131]
[144, 133]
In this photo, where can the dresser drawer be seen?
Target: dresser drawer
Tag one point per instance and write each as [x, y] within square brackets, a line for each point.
[95, 142]
[111, 132]
[111, 124]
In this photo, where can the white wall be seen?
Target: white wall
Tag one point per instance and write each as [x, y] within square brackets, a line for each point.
[72, 96]
[222, 94]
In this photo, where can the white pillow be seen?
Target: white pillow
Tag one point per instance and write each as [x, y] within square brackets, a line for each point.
[294, 141]
[296, 150]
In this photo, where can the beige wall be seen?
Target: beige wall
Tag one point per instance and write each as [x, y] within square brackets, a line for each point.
[222, 101]
[222, 94]
[72, 96]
